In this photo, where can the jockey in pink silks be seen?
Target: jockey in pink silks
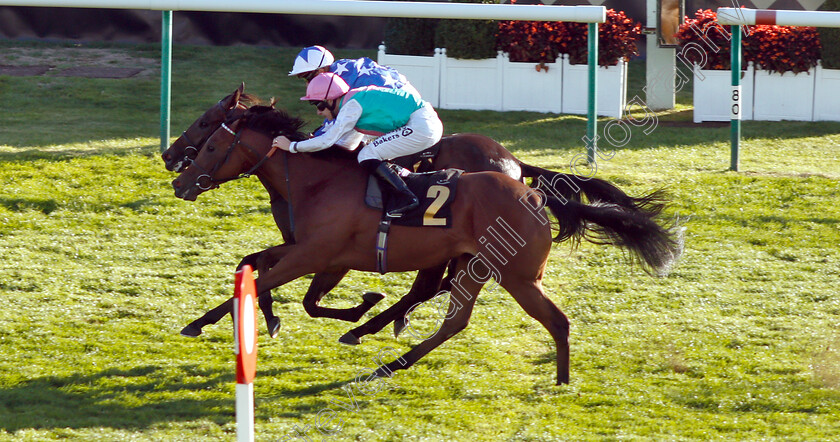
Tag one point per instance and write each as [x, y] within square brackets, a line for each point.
[403, 125]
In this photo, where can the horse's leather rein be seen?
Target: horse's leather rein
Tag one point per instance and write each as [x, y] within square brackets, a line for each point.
[213, 182]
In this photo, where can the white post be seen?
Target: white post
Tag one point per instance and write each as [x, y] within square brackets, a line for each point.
[660, 67]
[245, 349]
[245, 412]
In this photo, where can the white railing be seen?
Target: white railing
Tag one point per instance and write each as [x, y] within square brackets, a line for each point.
[582, 14]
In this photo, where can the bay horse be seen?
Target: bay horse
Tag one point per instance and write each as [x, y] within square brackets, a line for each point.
[469, 152]
[336, 231]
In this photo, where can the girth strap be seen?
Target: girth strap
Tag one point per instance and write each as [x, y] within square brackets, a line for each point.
[382, 245]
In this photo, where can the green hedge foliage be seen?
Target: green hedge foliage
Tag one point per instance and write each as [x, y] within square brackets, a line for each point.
[473, 39]
[830, 39]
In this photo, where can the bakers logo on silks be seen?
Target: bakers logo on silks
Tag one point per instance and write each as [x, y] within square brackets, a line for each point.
[385, 138]
[407, 131]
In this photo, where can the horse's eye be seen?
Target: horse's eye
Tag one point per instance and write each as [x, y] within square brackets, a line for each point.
[203, 124]
[211, 148]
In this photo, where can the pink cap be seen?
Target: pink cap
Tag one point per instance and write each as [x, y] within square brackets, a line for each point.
[325, 86]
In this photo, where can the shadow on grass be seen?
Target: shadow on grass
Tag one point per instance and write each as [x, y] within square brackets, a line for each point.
[130, 399]
[45, 206]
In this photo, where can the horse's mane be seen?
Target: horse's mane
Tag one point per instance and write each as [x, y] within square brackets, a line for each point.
[250, 99]
[273, 122]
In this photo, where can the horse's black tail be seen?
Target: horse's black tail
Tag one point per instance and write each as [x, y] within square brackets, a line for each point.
[655, 247]
[574, 187]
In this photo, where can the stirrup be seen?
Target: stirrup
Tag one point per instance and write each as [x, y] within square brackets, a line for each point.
[400, 211]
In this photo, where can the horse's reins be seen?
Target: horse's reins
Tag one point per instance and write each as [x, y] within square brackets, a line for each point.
[214, 183]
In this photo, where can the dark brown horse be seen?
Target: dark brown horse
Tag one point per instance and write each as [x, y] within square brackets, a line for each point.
[469, 152]
[335, 231]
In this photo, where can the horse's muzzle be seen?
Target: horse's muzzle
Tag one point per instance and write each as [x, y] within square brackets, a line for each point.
[185, 192]
[176, 165]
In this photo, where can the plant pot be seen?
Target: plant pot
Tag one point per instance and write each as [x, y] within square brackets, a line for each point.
[471, 84]
[612, 89]
[713, 94]
[826, 94]
[531, 86]
[783, 97]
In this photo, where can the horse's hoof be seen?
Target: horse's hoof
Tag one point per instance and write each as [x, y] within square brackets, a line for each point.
[373, 297]
[191, 331]
[399, 326]
[350, 339]
[273, 325]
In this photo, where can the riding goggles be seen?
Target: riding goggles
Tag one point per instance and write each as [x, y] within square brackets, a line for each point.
[308, 76]
[319, 104]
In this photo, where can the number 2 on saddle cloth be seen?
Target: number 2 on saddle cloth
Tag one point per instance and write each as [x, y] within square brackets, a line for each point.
[435, 190]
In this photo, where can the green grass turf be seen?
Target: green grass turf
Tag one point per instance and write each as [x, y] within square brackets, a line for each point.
[100, 267]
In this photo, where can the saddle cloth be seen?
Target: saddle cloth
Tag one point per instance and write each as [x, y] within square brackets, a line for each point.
[435, 190]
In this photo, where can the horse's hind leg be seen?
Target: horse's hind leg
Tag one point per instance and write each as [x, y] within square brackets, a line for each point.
[425, 287]
[429, 292]
[460, 308]
[321, 284]
[532, 299]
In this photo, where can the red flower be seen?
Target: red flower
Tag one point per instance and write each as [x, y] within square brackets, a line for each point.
[774, 48]
[544, 41]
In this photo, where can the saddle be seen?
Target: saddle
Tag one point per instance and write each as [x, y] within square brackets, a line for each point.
[423, 157]
[435, 190]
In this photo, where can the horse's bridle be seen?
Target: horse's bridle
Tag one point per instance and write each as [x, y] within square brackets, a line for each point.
[191, 151]
[213, 182]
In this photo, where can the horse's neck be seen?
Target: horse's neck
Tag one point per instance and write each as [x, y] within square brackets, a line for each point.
[307, 176]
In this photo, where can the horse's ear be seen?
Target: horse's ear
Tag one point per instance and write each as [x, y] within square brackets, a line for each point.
[236, 95]
[272, 102]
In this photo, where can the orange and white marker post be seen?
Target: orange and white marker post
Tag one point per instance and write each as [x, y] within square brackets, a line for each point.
[245, 348]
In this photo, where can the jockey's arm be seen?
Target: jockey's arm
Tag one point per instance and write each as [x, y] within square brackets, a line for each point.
[345, 122]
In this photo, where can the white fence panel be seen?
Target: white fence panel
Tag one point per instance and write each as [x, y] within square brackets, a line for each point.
[827, 94]
[783, 97]
[712, 94]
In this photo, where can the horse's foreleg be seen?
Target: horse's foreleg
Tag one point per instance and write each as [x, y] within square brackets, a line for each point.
[250, 260]
[425, 287]
[292, 262]
[193, 329]
[265, 260]
[322, 284]
[213, 316]
[457, 316]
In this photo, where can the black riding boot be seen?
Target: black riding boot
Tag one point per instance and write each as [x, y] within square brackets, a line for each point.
[394, 184]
